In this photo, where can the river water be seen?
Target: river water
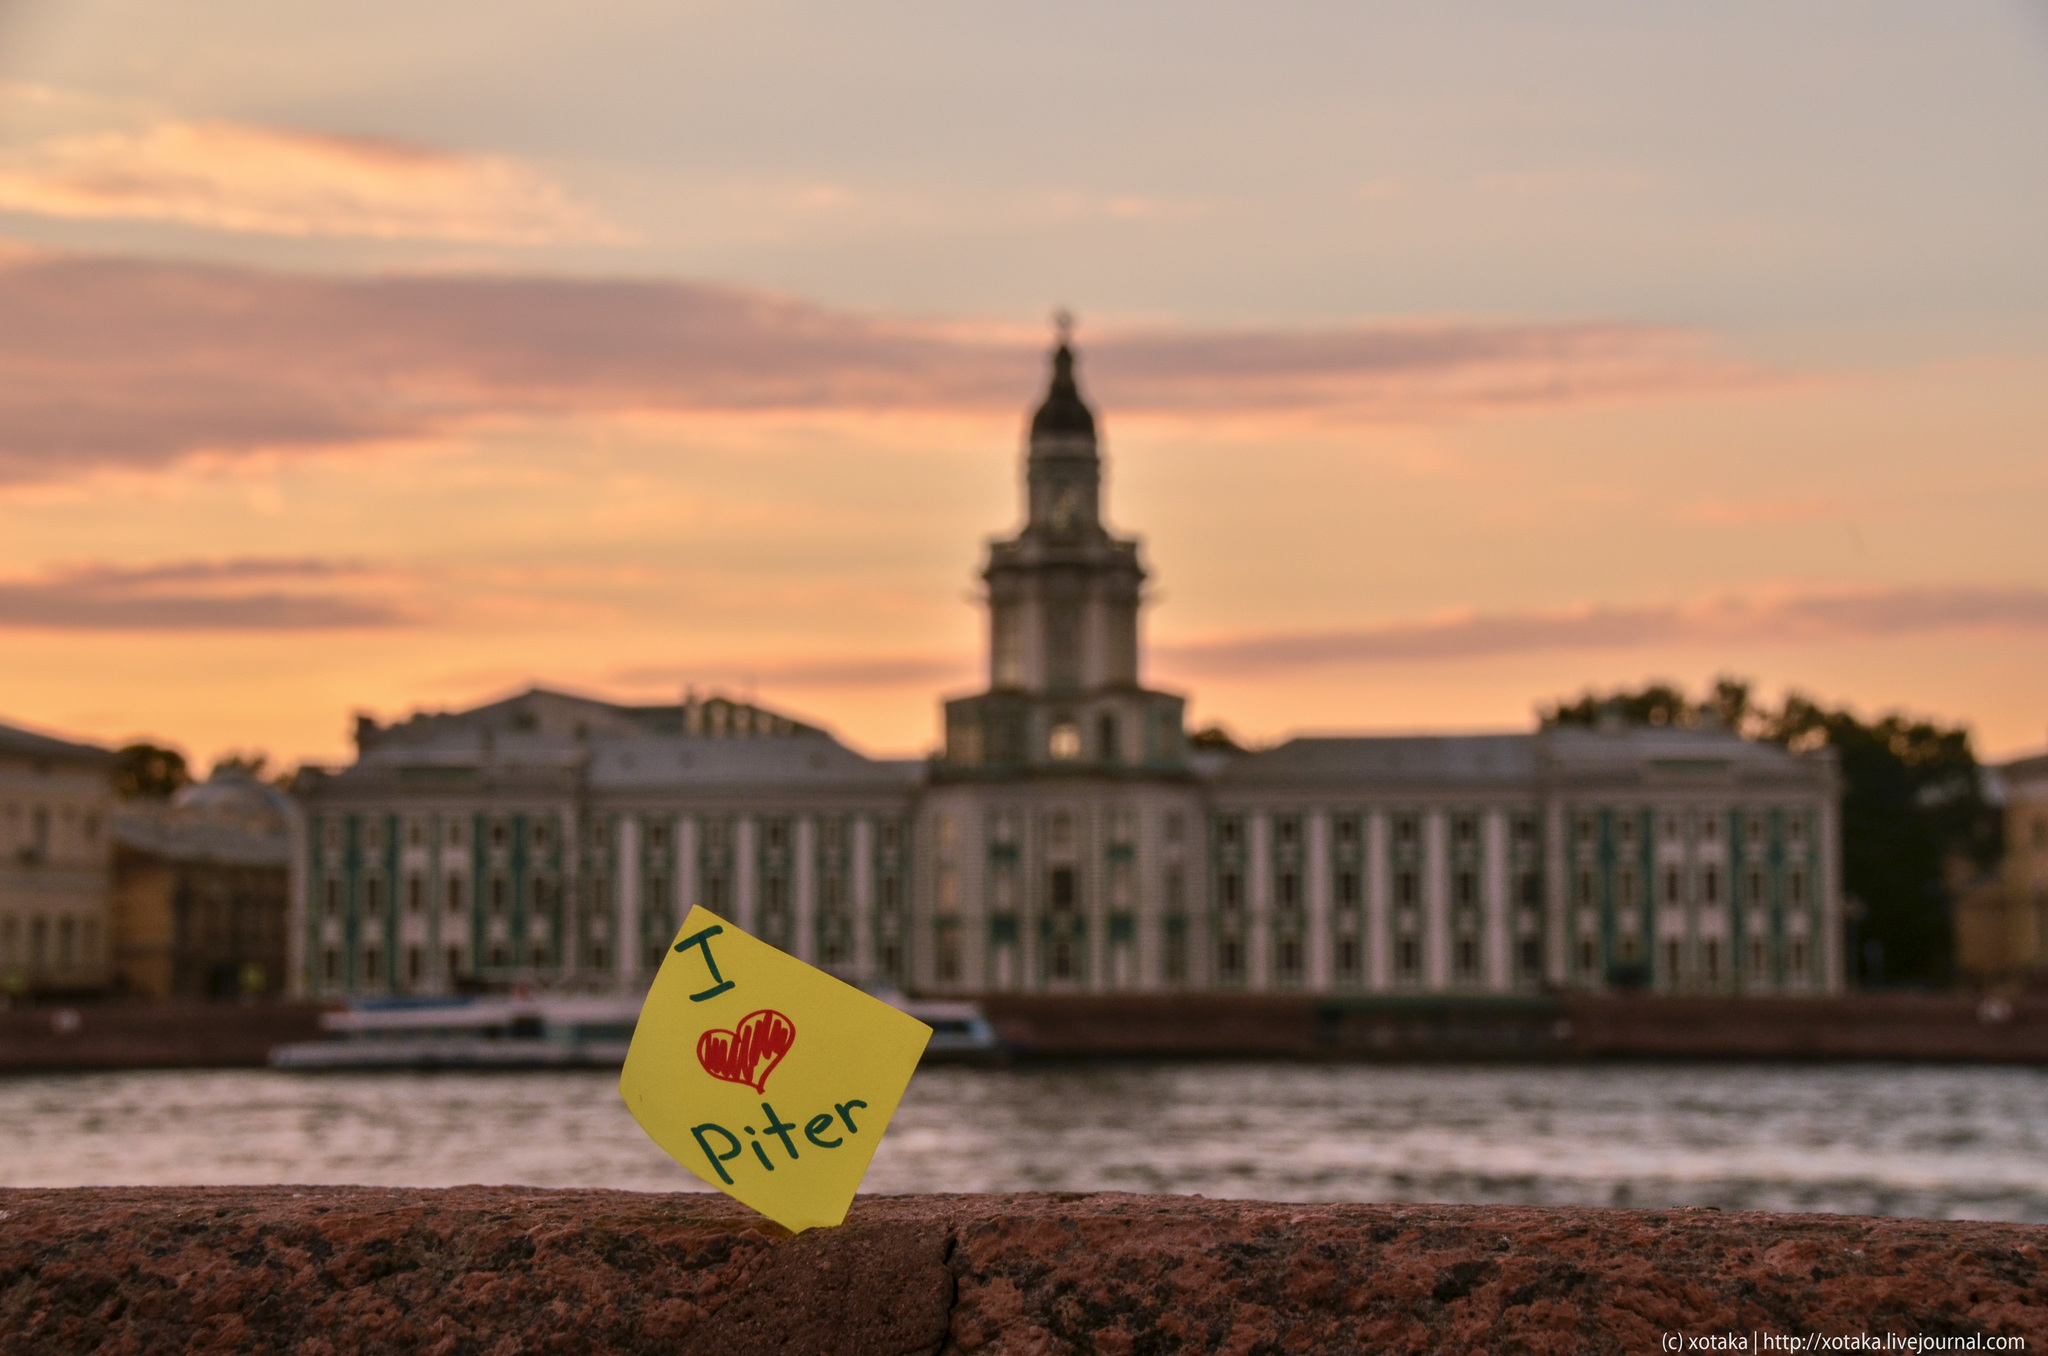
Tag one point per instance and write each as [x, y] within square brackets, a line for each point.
[1968, 1143]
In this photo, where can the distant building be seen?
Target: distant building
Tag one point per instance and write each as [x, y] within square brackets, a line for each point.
[1068, 838]
[202, 891]
[55, 799]
[2002, 920]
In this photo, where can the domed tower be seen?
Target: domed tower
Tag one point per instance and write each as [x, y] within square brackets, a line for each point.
[1063, 600]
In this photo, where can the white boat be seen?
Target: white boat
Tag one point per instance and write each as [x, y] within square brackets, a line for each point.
[547, 1032]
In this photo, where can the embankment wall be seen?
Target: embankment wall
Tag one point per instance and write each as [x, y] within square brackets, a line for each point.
[502, 1270]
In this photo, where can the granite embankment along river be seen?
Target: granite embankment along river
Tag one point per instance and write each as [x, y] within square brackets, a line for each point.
[474, 1269]
[118, 1035]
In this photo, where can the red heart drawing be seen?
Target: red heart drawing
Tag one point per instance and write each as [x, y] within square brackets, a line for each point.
[749, 1053]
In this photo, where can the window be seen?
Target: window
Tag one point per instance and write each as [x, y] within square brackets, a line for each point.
[1287, 830]
[1349, 957]
[1230, 888]
[1756, 886]
[1465, 888]
[1064, 743]
[1061, 892]
[1464, 829]
[1585, 828]
[415, 965]
[1347, 887]
[415, 894]
[412, 833]
[1347, 830]
[1589, 956]
[1710, 959]
[454, 961]
[1407, 957]
[455, 894]
[1673, 954]
[1229, 832]
[1530, 889]
[333, 835]
[373, 895]
[454, 834]
[1404, 828]
[1625, 886]
[1795, 888]
[1797, 964]
[775, 834]
[1290, 889]
[540, 833]
[1468, 958]
[333, 900]
[1585, 887]
[330, 965]
[1710, 886]
[497, 896]
[1525, 828]
[1107, 740]
[1406, 888]
[1674, 886]
[372, 960]
[498, 834]
[1287, 960]
[1230, 960]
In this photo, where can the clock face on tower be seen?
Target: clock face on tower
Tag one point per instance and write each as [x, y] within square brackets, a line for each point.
[1066, 508]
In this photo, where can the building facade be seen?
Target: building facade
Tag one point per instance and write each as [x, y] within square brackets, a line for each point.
[202, 891]
[1068, 838]
[2002, 919]
[55, 862]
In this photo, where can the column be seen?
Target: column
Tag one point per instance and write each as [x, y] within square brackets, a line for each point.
[1258, 893]
[863, 901]
[1379, 890]
[1321, 978]
[1556, 897]
[804, 912]
[746, 874]
[1436, 905]
[1499, 957]
[686, 866]
[626, 909]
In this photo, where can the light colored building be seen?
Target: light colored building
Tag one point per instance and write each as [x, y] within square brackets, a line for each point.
[1067, 838]
[202, 891]
[55, 800]
[2002, 921]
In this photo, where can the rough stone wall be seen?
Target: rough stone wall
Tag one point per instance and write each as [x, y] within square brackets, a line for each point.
[501, 1270]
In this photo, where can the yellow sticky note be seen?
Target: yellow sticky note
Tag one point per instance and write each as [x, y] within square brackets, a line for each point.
[766, 1077]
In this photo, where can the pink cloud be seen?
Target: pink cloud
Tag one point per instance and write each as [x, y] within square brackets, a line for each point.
[108, 362]
[198, 595]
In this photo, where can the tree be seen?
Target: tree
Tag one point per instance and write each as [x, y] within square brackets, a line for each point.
[149, 772]
[1912, 804]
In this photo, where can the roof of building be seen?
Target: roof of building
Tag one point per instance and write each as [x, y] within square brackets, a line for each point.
[1064, 413]
[542, 712]
[1478, 759]
[1488, 760]
[29, 743]
[232, 817]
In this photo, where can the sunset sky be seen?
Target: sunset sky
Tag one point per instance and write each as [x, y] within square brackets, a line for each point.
[1450, 359]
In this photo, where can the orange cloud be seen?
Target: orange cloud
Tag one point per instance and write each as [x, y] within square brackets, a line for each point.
[235, 177]
[120, 363]
[1790, 616]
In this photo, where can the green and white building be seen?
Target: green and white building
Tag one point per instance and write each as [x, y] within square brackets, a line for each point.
[1067, 838]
